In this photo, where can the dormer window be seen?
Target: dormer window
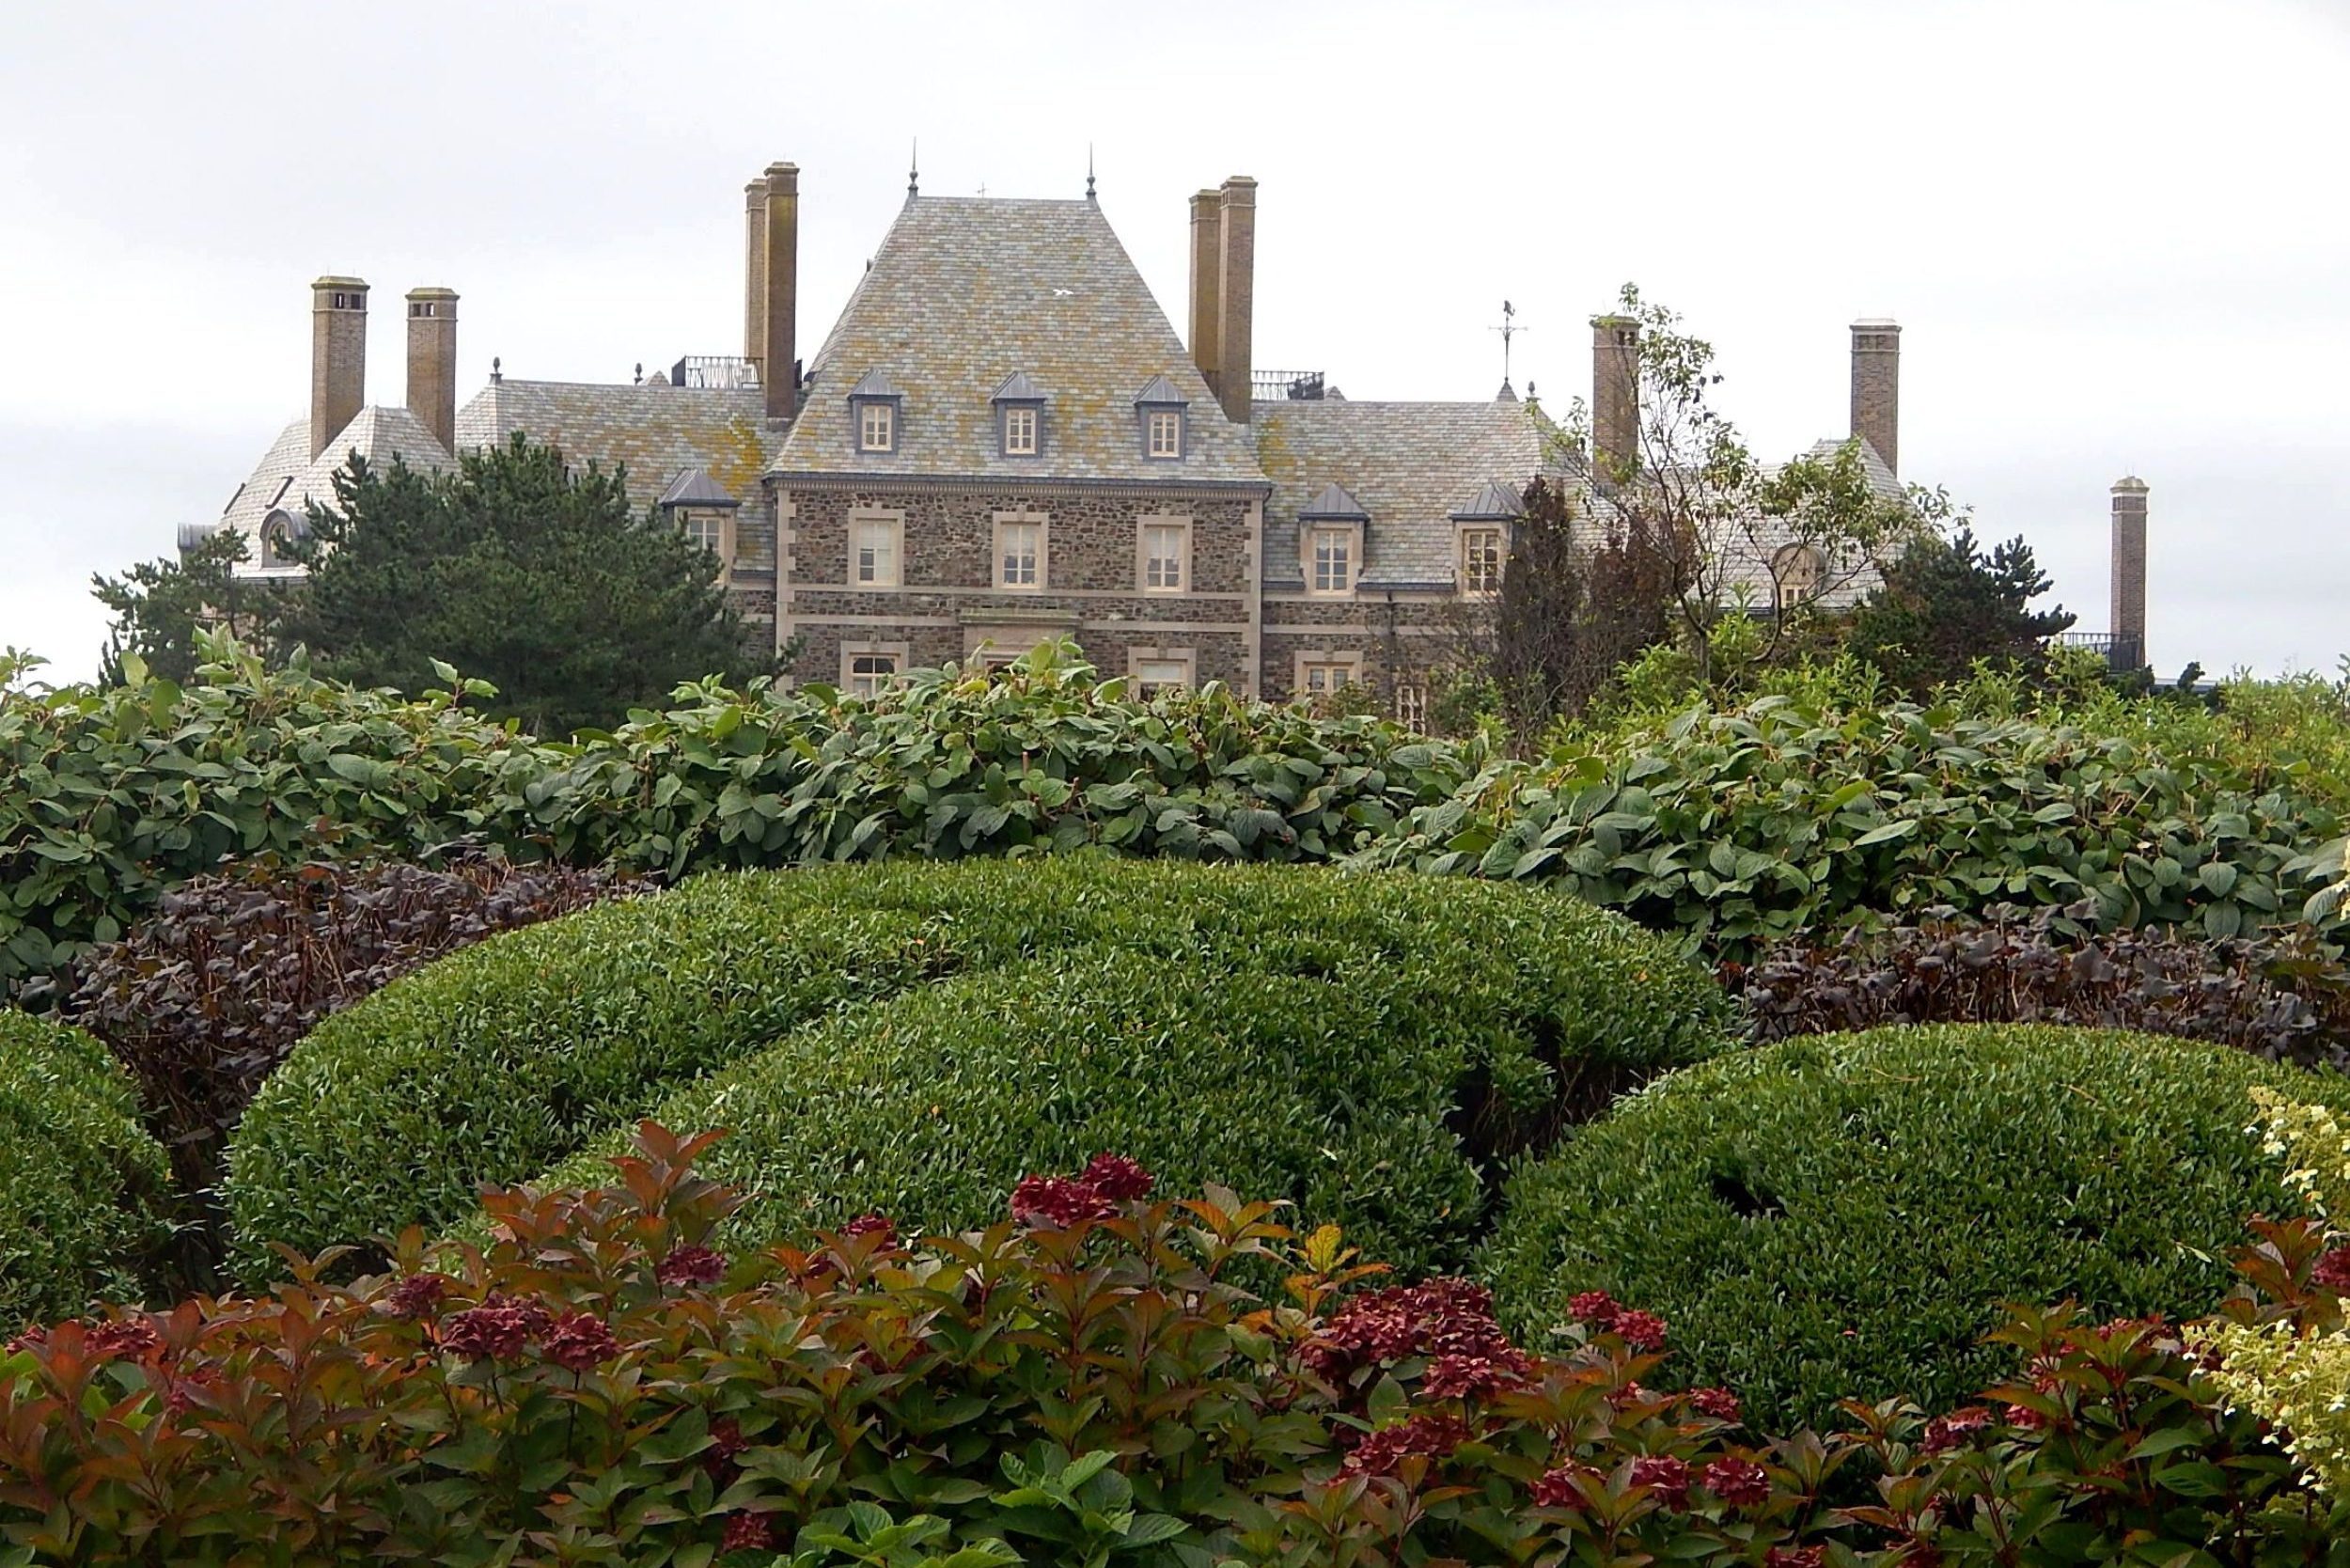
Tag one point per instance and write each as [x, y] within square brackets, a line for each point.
[278, 533]
[698, 507]
[1019, 416]
[1160, 408]
[874, 405]
[1330, 539]
[1481, 527]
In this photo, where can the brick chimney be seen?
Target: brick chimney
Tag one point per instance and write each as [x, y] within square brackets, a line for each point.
[2126, 609]
[1207, 272]
[776, 277]
[432, 362]
[1235, 294]
[1876, 387]
[1615, 397]
[754, 271]
[338, 356]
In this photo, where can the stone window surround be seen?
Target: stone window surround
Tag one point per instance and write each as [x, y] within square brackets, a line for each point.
[276, 528]
[724, 517]
[901, 654]
[1306, 534]
[1795, 573]
[1350, 659]
[896, 520]
[1460, 556]
[1043, 552]
[1143, 526]
[1140, 654]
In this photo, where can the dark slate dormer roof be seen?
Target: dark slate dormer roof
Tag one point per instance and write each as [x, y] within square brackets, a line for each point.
[1018, 388]
[1407, 464]
[695, 488]
[875, 384]
[1336, 504]
[1161, 392]
[1495, 502]
[961, 288]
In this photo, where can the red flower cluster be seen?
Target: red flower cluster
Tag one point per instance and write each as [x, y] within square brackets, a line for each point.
[128, 1340]
[1945, 1432]
[2333, 1271]
[748, 1532]
[1641, 1330]
[580, 1342]
[1796, 1557]
[417, 1296]
[1093, 1192]
[1596, 1307]
[1721, 1404]
[498, 1330]
[1740, 1482]
[1665, 1475]
[871, 1225]
[691, 1266]
[1557, 1488]
[1434, 1436]
[1450, 1321]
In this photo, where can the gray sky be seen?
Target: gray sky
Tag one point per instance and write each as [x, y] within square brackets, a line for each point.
[2115, 234]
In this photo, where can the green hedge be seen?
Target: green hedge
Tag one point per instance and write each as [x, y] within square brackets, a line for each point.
[1843, 1216]
[1304, 1033]
[83, 1188]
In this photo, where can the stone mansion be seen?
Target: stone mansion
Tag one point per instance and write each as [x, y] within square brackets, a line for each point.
[1004, 439]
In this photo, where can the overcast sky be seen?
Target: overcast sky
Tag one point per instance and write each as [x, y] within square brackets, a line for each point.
[2116, 234]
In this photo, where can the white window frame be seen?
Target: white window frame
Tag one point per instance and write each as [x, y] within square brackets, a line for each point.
[894, 523]
[899, 654]
[1023, 430]
[1409, 703]
[1349, 661]
[876, 417]
[1185, 659]
[1469, 551]
[1348, 537]
[1040, 565]
[1149, 564]
[1169, 420]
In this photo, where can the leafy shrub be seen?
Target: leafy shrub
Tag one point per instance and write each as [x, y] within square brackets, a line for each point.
[204, 997]
[1844, 1214]
[1361, 1044]
[1086, 1384]
[2284, 998]
[1746, 827]
[83, 1188]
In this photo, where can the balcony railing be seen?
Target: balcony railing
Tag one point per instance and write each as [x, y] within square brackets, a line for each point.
[1275, 387]
[715, 373]
[2122, 655]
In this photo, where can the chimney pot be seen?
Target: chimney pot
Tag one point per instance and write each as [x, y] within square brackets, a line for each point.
[432, 362]
[1615, 397]
[1236, 295]
[1877, 386]
[338, 356]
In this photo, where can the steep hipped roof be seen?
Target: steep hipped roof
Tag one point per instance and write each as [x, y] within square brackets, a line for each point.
[695, 488]
[652, 431]
[963, 287]
[1335, 503]
[1408, 464]
[287, 479]
[1493, 502]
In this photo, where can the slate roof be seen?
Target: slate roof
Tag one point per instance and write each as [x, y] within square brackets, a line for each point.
[963, 292]
[1408, 464]
[695, 488]
[652, 431]
[288, 477]
[1493, 502]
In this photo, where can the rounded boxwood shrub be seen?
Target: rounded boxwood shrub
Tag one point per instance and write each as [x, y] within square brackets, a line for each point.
[1843, 1216]
[917, 1037]
[82, 1186]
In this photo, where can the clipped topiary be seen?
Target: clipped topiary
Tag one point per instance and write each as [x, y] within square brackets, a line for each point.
[1844, 1215]
[83, 1188]
[915, 1038]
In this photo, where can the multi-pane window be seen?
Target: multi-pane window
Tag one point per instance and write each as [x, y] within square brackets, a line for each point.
[706, 530]
[1020, 432]
[1165, 429]
[1798, 567]
[876, 425]
[1333, 561]
[1481, 559]
[1165, 545]
[1321, 677]
[870, 672]
[874, 554]
[1019, 554]
[1153, 676]
[1411, 705]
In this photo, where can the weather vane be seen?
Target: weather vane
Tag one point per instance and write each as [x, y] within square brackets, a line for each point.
[1509, 329]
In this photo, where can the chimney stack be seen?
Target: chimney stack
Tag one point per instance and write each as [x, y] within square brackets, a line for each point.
[1876, 387]
[1615, 397]
[754, 271]
[2126, 609]
[432, 362]
[1235, 294]
[1207, 269]
[338, 356]
[776, 279]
